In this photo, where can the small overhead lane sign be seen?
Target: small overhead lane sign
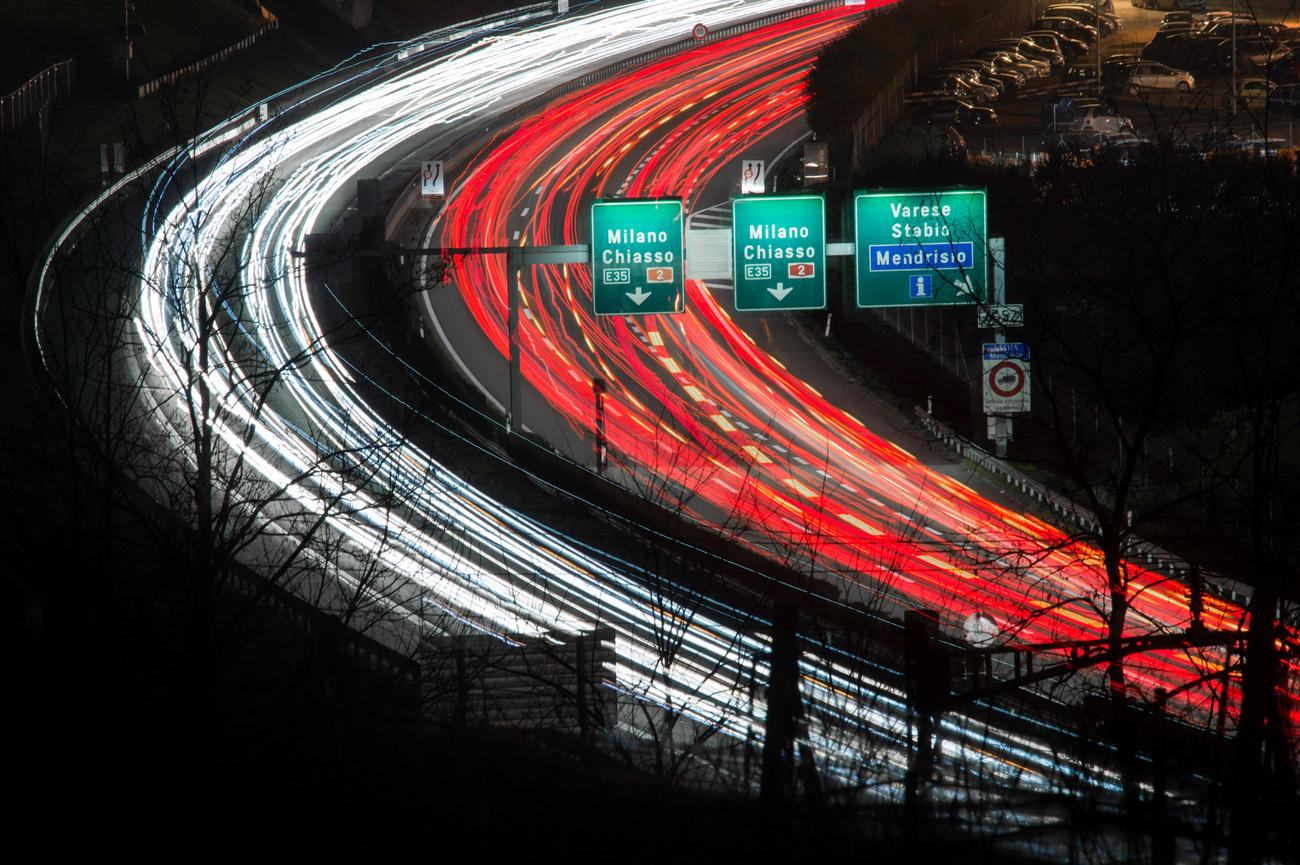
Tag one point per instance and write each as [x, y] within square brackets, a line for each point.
[431, 182]
[920, 248]
[779, 252]
[637, 260]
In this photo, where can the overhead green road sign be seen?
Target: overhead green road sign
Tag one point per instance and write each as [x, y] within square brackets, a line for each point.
[921, 248]
[779, 252]
[637, 261]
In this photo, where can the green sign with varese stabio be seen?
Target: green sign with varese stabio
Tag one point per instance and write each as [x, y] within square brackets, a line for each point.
[921, 248]
[637, 260]
[779, 252]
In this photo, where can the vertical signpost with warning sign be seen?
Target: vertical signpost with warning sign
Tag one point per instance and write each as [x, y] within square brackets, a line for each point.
[1006, 377]
[779, 252]
[637, 260]
[920, 248]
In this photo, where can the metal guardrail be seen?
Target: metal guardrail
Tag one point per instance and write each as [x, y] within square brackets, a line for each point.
[19, 106]
[151, 87]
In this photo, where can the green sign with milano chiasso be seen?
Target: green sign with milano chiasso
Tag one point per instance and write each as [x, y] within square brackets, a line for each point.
[921, 248]
[637, 261]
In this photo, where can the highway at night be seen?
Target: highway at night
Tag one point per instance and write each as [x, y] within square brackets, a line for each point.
[694, 408]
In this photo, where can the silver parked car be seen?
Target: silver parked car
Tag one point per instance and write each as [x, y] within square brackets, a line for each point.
[1151, 75]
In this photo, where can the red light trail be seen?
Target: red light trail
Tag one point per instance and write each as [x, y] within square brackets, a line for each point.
[696, 411]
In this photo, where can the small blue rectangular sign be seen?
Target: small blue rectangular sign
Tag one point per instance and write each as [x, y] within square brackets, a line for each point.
[1006, 351]
[911, 256]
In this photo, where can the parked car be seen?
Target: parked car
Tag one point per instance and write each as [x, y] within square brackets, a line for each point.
[1080, 73]
[1014, 60]
[951, 84]
[1151, 75]
[1010, 75]
[1284, 100]
[953, 112]
[1183, 5]
[1224, 29]
[1252, 94]
[1123, 148]
[1188, 18]
[1083, 32]
[1028, 48]
[1169, 47]
[1068, 45]
[1255, 53]
[1000, 81]
[1115, 69]
[1085, 13]
[1197, 55]
[991, 89]
[1209, 18]
[1286, 67]
[1082, 114]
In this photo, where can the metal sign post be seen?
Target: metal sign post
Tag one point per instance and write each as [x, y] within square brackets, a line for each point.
[1006, 365]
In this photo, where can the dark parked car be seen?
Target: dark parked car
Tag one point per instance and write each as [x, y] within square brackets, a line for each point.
[1085, 14]
[998, 81]
[1186, 5]
[1168, 47]
[953, 112]
[951, 84]
[1069, 27]
[1068, 45]
[1081, 78]
[1027, 47]
[1284, 101]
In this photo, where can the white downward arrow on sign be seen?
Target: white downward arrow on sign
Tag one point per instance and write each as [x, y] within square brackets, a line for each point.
[638, 296]
[780, 291]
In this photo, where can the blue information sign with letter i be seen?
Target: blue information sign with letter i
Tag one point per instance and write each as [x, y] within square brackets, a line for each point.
[922, 286]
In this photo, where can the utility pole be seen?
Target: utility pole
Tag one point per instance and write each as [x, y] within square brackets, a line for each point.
[514, 274]
[1097, 23]
[126, 38]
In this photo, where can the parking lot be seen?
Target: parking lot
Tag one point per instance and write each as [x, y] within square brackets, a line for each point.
[1167, 109]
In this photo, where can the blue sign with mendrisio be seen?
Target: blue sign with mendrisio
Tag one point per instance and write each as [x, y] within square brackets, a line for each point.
[1006, 351]
[911, 256]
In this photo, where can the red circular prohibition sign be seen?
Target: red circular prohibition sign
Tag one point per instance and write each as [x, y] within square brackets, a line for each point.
[1007, 391]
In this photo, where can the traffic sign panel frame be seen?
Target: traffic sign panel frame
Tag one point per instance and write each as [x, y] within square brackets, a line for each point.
[638, 263]
[779, 252]
[902, 235]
